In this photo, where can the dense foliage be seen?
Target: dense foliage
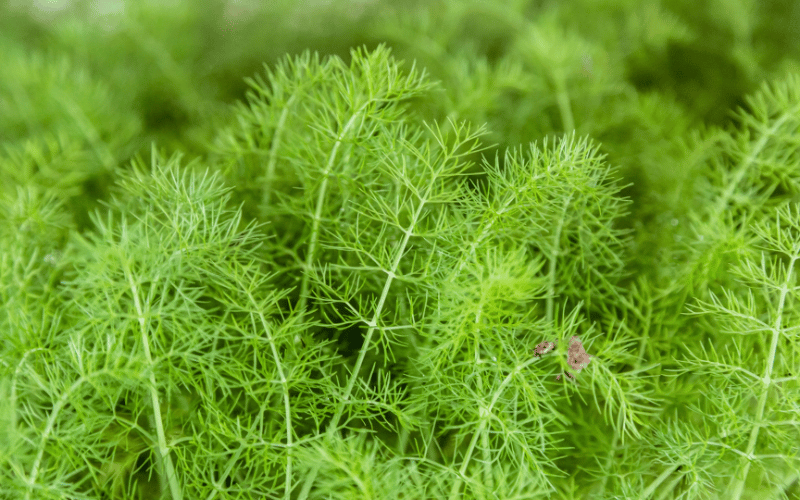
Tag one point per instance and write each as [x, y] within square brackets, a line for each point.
[327, 277]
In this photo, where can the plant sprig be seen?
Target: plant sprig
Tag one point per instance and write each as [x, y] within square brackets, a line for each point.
[343, 295]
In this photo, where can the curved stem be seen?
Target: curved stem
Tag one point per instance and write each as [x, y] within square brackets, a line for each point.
[312, 245]
[286, 405]
[485, 414]
[163, 449]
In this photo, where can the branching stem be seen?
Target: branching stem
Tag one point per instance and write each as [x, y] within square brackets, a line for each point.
[163, 449]
[738, 485]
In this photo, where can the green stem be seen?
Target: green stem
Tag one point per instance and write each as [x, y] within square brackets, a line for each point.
[345, 398]
[286, 405]
[485, 413]
[722, 203]
[175, 72]
[564, 107]
[738, 486]
[51, 421]
[485, 231]
[669, 489]
[273, 150]
[163, 449]
[314, 238]
[13, 399]
[312, 248]
[648, 492]
[556, 250]
[85, 125]
[611, 452]
[487, 466]
[373, 324]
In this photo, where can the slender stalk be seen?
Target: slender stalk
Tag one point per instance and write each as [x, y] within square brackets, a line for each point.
[564, 107]
[373, 324]
[345, 398]
[314, 237]
[13, 399]
[653, 487]
[48, 428]
[669, 490]
[163, 449]
[611, 452]
[286, 404]
[312, 247]
[486, 458]
[485, 414]
[277, 136]
[738, 485]
[554, 254]
[89, 131]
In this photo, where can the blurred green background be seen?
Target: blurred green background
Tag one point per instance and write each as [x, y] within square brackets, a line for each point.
[85, 86]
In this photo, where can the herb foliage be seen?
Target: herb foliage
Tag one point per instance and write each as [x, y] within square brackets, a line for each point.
[339, 294]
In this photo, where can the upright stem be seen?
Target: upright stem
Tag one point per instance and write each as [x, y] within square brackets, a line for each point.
[373, 324]
[314, 238]
[555, 252]
[286, 405]
[564, 107]
[163, 449]
[269, 177]
[611, 452]
[487, 467]
[738, 485]
[741, 170]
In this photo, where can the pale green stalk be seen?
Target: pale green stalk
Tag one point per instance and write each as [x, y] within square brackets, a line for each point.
[162, 450]
[777, 331]
[485, 414]
[51, 422]
[286, 403]
[555, 252]
[564, 107]
[314, 236]
[744, 167]
[275, 146]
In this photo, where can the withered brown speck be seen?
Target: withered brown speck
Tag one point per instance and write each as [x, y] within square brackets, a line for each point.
[577, 357]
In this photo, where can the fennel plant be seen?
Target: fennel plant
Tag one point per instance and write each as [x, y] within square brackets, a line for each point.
[346, 290]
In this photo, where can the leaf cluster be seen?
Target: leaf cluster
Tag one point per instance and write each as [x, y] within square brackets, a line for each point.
[341, 293]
